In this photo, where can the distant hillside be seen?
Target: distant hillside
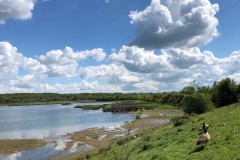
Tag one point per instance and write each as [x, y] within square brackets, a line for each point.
[179, 141]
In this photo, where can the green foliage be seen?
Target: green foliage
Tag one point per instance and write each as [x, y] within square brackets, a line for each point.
[204, 89]
[197, 103]
[238, 92]
[139, 113]
[188, 90]
[172, 99]
[41, 98]
[224, 92]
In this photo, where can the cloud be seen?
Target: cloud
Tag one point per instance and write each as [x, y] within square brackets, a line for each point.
[54, 64]
[176, 67]
[175, 23]
[65, 62]
[29, 84]
[16, 9]
[114, 73]
[140, 60]
[147, 86]
[188, 57]
[144, 61]
[24, 82]
[10, 60]
[34, 66]
[131, 69]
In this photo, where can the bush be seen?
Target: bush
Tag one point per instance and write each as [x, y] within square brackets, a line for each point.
[197, 103]
[172, 99]
[225, 92]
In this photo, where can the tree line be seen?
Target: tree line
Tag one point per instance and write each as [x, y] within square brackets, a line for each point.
[192, 98]
[55, 97]
[201, 99]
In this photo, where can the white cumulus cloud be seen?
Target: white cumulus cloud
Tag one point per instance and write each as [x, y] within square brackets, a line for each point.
[140, 60]
[16, 9]
[10, 59]
[114, 73]
[24, 82]
[175, 67]
[65, 62]
[175, 23]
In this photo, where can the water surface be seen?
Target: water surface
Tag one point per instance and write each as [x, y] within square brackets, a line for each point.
[44, 121]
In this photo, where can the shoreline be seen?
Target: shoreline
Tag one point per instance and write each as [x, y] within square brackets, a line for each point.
[102, 138]
[91, 141]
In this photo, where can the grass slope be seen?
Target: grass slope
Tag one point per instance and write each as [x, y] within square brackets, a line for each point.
[170, 142]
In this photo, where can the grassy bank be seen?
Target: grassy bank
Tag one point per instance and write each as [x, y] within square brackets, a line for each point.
[11, 146]
[179, 141]
[155, 118]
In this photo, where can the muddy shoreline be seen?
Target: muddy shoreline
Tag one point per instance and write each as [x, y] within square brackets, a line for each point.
[87, 142]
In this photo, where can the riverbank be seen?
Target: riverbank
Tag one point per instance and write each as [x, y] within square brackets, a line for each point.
[178, 140]
[91, 141]
[102, 138]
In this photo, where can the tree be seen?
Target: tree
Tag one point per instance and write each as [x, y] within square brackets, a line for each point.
[224, 92]
[191, 88]
[204, 89]
[197, 103]
[188, 90]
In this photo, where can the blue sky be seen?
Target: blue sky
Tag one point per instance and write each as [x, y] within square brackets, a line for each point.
[117, 46]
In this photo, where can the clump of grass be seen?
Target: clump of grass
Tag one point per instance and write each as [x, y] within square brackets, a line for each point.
[180, 120]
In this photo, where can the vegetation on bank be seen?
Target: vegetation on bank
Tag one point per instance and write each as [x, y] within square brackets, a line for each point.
[192, 98]
[178, 139]
[46, 98]
[11, 146]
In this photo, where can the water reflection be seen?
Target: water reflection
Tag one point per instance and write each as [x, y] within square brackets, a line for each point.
[52, 148]
[52, 123]
[52, 120]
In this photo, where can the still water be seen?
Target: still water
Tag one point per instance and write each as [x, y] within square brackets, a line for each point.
[44, 121]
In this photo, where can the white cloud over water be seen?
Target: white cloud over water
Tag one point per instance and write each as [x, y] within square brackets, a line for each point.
[175, 23]
[164, 56]
[131, 69]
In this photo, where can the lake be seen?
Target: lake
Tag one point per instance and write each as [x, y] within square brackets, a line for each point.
[44, 121]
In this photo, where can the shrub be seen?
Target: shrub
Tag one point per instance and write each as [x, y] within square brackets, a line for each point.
[197, 103]
[179, 120]
[225, 92]
[139, 113]
[172, 99]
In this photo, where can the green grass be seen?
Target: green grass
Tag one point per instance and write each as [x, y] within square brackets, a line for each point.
[179, 142]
